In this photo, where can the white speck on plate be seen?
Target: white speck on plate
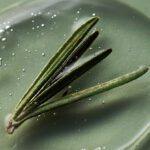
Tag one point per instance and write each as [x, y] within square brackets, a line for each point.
[13, 54]
[93, 14]
[43, 54]
[3, 39]
[23, 69]
[98, 148]
[104, 148]
[69, 87]
[90, 99]
[103, 102]
[1, 30]
[10, 94]
[54, 113]
[42, 25]
[78, 12]
[7, 27]
[0, 61]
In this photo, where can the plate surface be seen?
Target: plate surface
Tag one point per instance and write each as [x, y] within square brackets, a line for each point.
[33, 33]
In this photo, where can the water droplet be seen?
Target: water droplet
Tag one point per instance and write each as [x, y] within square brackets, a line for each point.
[31, 13]
[93, 14]
[53, 16]
[43, 54]
[54, 113]
[83, 148]
[37, 27]
[76, 19]
[104, 148]
[32, 21]
[1, 30]
[39, 12]
[3, 39]
[42, 25]
[7, 27]
[10, 94]
[1, 61]
[13, 54]
[69, 87]
[35, 103]
[33, 28]
[5, 65]
[23, 69]
[78, 12]
[90, 99]
[103, 102]
[98, 148]
[11, 30]
[18, 78]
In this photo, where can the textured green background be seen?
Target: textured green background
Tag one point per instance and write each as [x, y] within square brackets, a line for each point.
[108, 120]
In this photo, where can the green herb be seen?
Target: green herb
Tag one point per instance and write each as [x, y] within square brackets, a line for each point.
[54, 77]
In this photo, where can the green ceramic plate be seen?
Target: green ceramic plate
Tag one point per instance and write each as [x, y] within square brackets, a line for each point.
[31, 32]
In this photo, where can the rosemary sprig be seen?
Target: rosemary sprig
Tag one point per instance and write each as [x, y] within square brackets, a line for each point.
[51, 80]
